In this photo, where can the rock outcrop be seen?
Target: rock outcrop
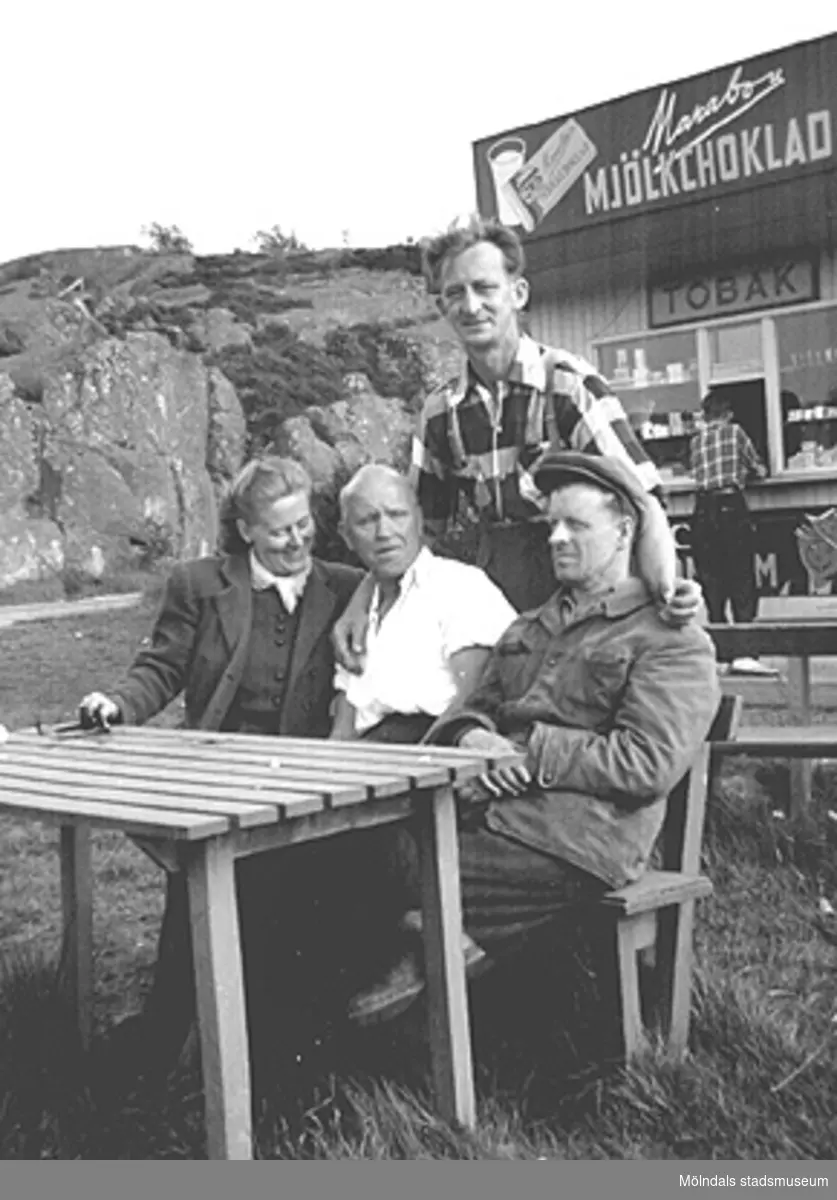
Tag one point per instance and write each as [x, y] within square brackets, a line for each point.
[129, 377]
[30, 545]
[334, 440]
[124, 450]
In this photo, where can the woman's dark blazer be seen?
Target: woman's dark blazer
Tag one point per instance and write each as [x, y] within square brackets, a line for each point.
[205, 615]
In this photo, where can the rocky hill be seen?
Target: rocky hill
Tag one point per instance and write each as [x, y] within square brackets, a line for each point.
[133, 383]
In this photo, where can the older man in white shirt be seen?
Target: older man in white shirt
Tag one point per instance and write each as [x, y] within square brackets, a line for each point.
[432, 620]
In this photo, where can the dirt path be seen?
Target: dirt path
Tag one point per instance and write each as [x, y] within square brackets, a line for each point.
[49, 610]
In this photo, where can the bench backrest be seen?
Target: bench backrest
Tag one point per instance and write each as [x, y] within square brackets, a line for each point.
[682, 834]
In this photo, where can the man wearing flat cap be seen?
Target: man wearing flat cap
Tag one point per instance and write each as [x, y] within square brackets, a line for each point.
[603, 703]
[598, 707]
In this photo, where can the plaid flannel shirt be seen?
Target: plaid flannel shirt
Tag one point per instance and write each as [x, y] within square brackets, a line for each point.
[470, 447]
[722, 455]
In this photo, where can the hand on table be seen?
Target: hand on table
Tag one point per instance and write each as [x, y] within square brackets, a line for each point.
[484, 741]
[97, 709]
[510, 779]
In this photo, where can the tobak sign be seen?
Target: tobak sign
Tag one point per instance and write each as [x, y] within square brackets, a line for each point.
[746, 125]
[742, 289]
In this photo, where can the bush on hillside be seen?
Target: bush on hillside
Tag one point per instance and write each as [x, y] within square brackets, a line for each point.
[248, 302]
[394, 364]
[273, 241]
[279, 378]
[166, 239]
[403, 257]
[171, 321]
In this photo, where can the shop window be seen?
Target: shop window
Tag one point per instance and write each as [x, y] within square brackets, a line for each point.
[807, 344]
[735, 351]
[656, 378]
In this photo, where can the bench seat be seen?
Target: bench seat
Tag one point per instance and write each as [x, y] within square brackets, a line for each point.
[657, 889]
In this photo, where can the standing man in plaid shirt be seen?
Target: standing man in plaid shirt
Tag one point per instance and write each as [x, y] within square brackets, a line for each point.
[723, 459]
[479, 435]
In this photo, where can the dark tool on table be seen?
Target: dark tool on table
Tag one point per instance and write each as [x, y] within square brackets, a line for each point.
[85, 724]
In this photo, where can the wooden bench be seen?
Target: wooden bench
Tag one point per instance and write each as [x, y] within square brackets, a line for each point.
[654, 917]
[799, 743]
[799, 640]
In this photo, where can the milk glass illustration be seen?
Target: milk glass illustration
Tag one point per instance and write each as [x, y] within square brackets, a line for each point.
[504, 158]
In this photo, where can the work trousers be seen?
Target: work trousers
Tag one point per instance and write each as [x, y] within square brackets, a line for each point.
[722, 546]
[509, 890]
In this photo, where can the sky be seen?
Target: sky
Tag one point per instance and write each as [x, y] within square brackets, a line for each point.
[346, 122]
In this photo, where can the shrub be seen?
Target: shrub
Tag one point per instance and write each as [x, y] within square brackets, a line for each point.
[273, 241]
[248, 302]
[394, 364]
[403, 257]
[166, 239]
[279, 378]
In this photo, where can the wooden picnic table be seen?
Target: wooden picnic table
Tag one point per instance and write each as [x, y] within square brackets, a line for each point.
[798, 639]
[205, 799]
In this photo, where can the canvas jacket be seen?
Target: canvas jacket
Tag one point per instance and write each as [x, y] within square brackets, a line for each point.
[204, 616]
[609, 707]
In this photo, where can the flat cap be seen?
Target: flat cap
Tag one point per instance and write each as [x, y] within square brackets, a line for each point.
[555, 468]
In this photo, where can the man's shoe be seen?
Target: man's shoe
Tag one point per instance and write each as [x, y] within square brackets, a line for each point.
[476, 959]
[751, 666]
[403, 984]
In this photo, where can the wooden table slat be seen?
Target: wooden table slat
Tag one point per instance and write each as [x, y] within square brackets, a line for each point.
[80, 794]
[233, 786]
[243, 806]
[129, 818]
[333, 786]
[376, 753]
[372, 779]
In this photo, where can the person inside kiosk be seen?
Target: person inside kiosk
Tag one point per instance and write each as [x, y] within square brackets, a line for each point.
[723, 460]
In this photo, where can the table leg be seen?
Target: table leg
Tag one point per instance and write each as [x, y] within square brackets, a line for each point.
[801, 769]
[447, 1000]
[77, 920]
[219, 986]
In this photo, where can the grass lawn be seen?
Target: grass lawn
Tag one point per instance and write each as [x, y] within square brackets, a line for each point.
[761, 1082]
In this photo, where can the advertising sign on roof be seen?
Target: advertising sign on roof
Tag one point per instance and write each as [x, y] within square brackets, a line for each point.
[742, 126]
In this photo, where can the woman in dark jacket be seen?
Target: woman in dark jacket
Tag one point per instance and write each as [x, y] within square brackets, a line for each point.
[245, 636]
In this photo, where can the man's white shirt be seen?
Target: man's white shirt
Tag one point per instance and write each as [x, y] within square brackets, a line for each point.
[443, 606]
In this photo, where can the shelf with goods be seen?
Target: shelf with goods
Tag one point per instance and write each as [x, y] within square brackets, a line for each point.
[656, 370]
[779, 371]
[812, 456]
[807, 362]
[657, 380]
